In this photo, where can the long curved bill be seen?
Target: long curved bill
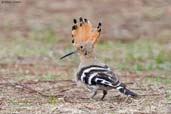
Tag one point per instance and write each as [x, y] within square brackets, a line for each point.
[73, 52]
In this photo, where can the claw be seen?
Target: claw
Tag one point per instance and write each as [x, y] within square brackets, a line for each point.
[104, 94]
[94, 93]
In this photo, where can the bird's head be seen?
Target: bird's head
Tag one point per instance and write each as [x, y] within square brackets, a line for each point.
[84, 37]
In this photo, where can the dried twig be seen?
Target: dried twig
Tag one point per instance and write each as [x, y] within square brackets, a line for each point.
[66, 99]
[54, 110]
[24, 87]
[154, 94]
[142, 89]
[49, 81]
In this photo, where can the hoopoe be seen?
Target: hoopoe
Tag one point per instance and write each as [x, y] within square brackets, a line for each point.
[94, 74]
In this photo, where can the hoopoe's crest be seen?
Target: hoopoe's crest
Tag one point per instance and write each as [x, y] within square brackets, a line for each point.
[84, 37]
[83, 32]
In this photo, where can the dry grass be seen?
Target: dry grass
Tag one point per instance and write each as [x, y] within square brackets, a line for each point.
[34, 34]
[36, 82]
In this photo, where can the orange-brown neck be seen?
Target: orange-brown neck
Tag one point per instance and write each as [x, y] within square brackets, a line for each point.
[89, 60]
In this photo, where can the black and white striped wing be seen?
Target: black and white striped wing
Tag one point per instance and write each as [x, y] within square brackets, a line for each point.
[102, 75]
[98, 75]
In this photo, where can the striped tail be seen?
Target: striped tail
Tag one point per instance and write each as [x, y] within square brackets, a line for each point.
[121, 87]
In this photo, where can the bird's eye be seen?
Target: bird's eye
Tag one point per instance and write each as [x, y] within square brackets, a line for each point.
[81, 47]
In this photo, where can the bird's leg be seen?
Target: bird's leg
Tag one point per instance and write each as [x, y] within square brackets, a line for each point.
[104, 94]
[94, 93]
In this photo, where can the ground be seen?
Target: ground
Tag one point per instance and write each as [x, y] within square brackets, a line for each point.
[135, 43]
[36, 81]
